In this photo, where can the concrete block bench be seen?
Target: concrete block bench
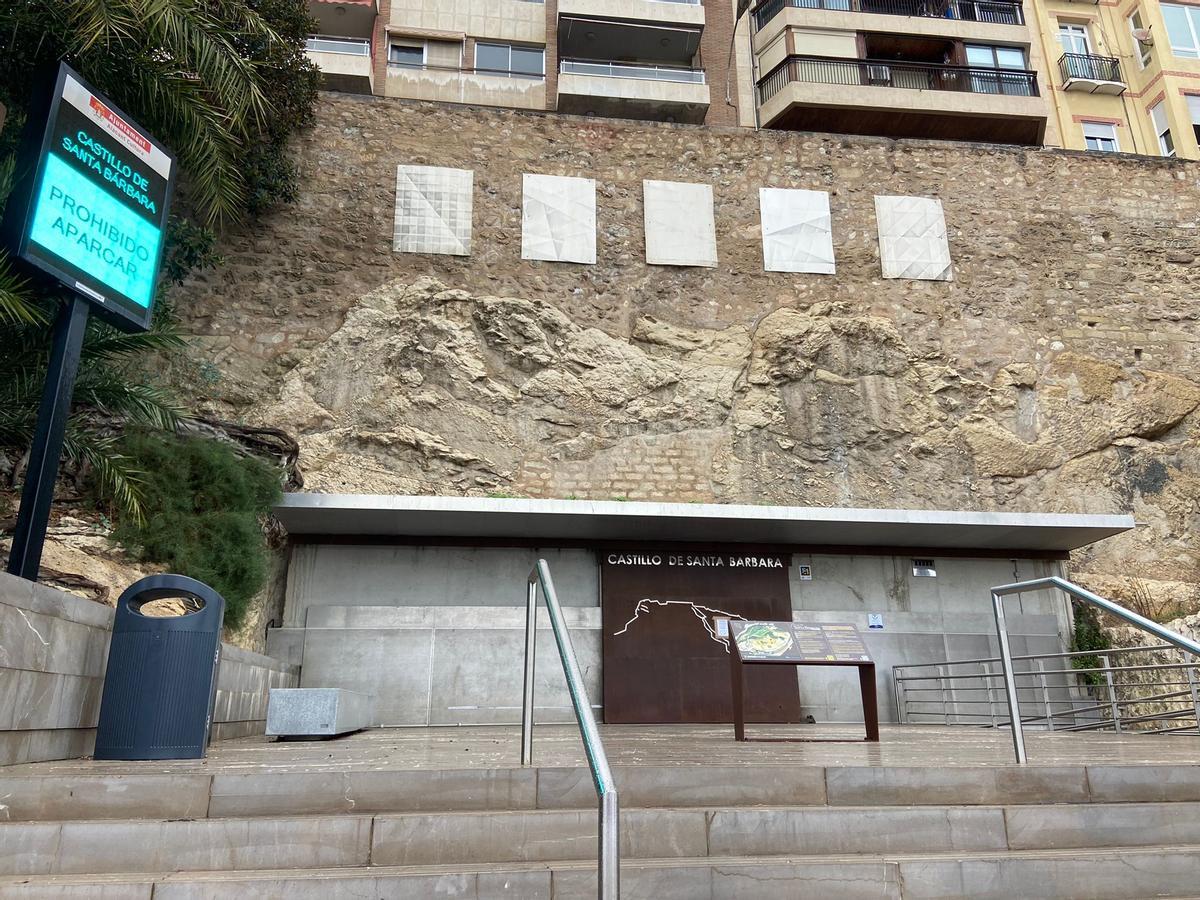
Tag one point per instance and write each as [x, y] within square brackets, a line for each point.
[295, 713]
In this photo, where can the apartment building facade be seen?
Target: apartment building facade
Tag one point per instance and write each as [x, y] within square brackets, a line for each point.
[1127, 77]
[1071, 73]
[665, 60]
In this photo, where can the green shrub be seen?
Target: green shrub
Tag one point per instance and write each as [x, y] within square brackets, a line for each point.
[203, 503]
[1088, 636]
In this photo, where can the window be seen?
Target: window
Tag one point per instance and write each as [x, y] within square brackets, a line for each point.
[1144, 50]
[406, 53]
[1193, 105]
[1158, 115]
[1100, 137]
[510, 59]
[986, 56]
[1183, 29]
[1074, 38]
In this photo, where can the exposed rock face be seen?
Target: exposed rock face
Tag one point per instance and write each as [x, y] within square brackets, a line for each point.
[1057, 372]
[429, 390]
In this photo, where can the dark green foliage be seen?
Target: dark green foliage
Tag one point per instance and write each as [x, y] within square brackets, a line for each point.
[111, 390]
[1088, 636]
[203, 505]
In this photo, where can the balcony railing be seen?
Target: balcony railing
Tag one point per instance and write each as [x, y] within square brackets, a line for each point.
[1085, 67]
[320, 43]
[629, 70]
[994, 12]
[889, 73]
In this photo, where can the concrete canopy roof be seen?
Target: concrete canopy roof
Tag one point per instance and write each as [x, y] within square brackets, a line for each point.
[375, 515]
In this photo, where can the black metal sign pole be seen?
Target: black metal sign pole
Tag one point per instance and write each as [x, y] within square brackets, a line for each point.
[30, 535]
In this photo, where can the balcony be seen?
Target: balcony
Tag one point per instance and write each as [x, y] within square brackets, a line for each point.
[345, 63]
[345, 18]
[654, 31]
[485, 87]
[1093, 74]
[991, 12]
[687, 13]
[893, 98]
[632, 91]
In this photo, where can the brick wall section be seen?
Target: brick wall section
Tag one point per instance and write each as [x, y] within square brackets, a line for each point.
[379, 44]
[714, 57]
[53, 652]
[671, 467]
[551, 54]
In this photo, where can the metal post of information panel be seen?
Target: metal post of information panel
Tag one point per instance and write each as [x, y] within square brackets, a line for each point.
[25, 558]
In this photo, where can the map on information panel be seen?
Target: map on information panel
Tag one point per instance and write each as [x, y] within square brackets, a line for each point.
[794, 642]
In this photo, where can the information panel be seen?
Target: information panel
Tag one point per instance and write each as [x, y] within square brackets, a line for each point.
[794, 642]
[96, 213]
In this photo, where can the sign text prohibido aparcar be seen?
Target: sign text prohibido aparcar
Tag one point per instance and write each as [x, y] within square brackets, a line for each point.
[92, 212]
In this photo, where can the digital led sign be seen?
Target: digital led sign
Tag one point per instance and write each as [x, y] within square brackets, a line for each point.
[94, 213]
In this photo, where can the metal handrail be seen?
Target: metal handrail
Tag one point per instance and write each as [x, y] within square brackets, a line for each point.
[991, 659]
[328, 43]
[1006, 659]
[648, 72]
[1090, 67]
[608, 866]
[893, 73]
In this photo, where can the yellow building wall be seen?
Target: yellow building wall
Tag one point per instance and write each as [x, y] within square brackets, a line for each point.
[1165, 76]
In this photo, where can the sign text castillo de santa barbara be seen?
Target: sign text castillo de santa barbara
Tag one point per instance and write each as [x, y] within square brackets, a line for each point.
[692, 560]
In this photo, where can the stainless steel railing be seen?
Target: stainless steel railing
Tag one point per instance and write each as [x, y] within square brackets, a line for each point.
[608, 868]
[1091, 690]
[1010, 684]
[321, 43]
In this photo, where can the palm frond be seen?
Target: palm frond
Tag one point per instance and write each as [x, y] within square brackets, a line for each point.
[17, 302]
[115, 475]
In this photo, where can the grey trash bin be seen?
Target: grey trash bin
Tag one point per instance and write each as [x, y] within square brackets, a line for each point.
[162, 674]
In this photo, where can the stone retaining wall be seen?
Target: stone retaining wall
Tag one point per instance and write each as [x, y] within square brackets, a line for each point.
[53, 652]
[1057, 372]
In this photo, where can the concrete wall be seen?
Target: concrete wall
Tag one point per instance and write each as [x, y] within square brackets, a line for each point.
[465, 87]
[53, 653]
[322, 575]
[925, 619]
[644, 11]
[445, 665]
[909, 99]
[512, 20]
[437, 635]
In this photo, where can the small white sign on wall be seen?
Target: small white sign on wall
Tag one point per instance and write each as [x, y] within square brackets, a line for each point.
[912, 238]
[558, 219]
[797, 231]
[433, 210]
[680, 229]
[875, 621]
[805, 573]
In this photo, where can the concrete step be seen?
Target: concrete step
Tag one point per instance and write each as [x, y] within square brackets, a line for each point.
[266, 792]
[547, 836]
[1119, 874]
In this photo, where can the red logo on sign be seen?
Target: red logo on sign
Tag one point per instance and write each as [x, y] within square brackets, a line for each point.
[120, 125]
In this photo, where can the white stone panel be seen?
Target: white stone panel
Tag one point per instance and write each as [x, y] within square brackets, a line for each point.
[433, 210]
[558, 219]
[797, 231]
[912, 238]
[680, 230]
